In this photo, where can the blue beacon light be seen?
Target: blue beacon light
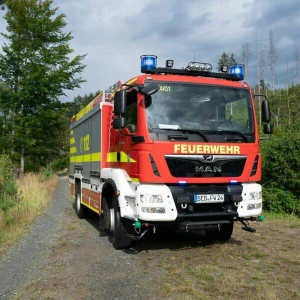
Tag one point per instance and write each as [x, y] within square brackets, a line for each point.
[237, 70]
[148, 63]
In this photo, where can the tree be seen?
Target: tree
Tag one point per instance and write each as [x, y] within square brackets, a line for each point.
[297, 62]
[246, 56]
[2, 4]
[273, 59]
[38, 65]
[227, 59]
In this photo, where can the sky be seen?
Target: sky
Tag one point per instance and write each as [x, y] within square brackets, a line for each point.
[114, 34]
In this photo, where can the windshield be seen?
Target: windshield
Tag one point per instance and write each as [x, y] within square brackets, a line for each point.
[179, 106]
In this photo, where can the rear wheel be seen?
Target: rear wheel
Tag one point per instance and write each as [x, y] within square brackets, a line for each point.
[79, 207]
[121, 228]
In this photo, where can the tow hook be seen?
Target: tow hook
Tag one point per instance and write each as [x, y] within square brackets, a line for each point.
[137, 238]
[137, 226]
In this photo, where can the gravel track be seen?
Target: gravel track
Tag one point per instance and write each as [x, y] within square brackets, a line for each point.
[17, 265]
[63, 257]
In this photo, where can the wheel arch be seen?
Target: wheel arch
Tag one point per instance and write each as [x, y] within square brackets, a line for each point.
[109, 190]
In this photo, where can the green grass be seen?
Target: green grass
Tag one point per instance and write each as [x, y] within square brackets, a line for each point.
[34, 193]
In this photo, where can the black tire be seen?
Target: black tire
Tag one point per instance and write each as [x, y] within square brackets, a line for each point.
[222, 235]
[121, 230]
[80, 210]
[104, 218]
[225, 232]
[212, 235]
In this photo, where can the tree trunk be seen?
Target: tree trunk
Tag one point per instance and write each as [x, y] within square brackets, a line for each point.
[22, 160]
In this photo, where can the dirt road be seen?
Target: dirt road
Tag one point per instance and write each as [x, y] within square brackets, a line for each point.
[63, 257]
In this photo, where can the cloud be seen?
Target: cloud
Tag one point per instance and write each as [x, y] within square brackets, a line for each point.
[116, 33]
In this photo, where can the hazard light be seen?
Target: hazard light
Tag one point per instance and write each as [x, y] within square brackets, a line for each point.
[238, 71]
[148, 63]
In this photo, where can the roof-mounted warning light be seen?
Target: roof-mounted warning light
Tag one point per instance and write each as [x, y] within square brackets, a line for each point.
[197, 66]
[223, 69]
[169, 63]
[238, 71]
[148, 63]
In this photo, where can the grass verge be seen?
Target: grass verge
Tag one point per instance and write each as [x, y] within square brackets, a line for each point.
[34, 193]
[260, 265]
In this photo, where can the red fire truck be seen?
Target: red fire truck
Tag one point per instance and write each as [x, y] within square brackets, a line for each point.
[169, 148]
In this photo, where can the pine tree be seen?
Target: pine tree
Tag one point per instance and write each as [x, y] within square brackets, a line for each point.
[273, 59]
[226, 59]
[37, 67]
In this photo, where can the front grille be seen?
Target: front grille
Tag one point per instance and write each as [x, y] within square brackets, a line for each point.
[207, 189]
[193, 167]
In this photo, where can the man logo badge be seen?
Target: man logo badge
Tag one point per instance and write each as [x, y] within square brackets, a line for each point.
[208, 158]
[208, 168]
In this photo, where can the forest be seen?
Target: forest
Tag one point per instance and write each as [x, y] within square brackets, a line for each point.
[36, 69]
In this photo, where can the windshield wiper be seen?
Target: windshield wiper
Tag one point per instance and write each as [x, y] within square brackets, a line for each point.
[184, 130]
[199, 132]
[241, 135]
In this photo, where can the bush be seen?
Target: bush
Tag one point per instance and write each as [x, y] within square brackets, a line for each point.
[279, 201]
[60, 163]
[281, 163]
[8, 186]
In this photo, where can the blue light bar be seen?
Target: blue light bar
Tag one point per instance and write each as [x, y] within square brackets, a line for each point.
[237, 70]
[181, 182]
[148, 63]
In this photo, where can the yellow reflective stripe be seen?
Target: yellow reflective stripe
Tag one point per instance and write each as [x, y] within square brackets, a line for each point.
[126, 158]
[87, 108]
[135, 179]
[93, 157]
[131, 81]
[96, 156]
[92, 208]
[72, 141]
[73, 150]
[112, 157]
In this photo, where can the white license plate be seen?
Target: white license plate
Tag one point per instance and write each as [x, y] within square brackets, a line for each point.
[214, 198]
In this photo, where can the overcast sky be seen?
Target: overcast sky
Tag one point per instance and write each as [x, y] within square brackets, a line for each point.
[116, 33]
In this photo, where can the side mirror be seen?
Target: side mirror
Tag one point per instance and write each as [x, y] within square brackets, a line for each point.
[266, 113]
[150, 89]
[148, 101]
[267, 129]
[120, 100]
[119, 123]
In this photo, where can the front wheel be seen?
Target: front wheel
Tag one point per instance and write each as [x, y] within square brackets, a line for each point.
[121, 228]
[222, 235]
[105, 216]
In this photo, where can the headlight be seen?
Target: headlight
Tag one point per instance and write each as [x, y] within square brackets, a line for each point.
[147, 198]
[254, 195]
[155, 210]
[254, 206]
